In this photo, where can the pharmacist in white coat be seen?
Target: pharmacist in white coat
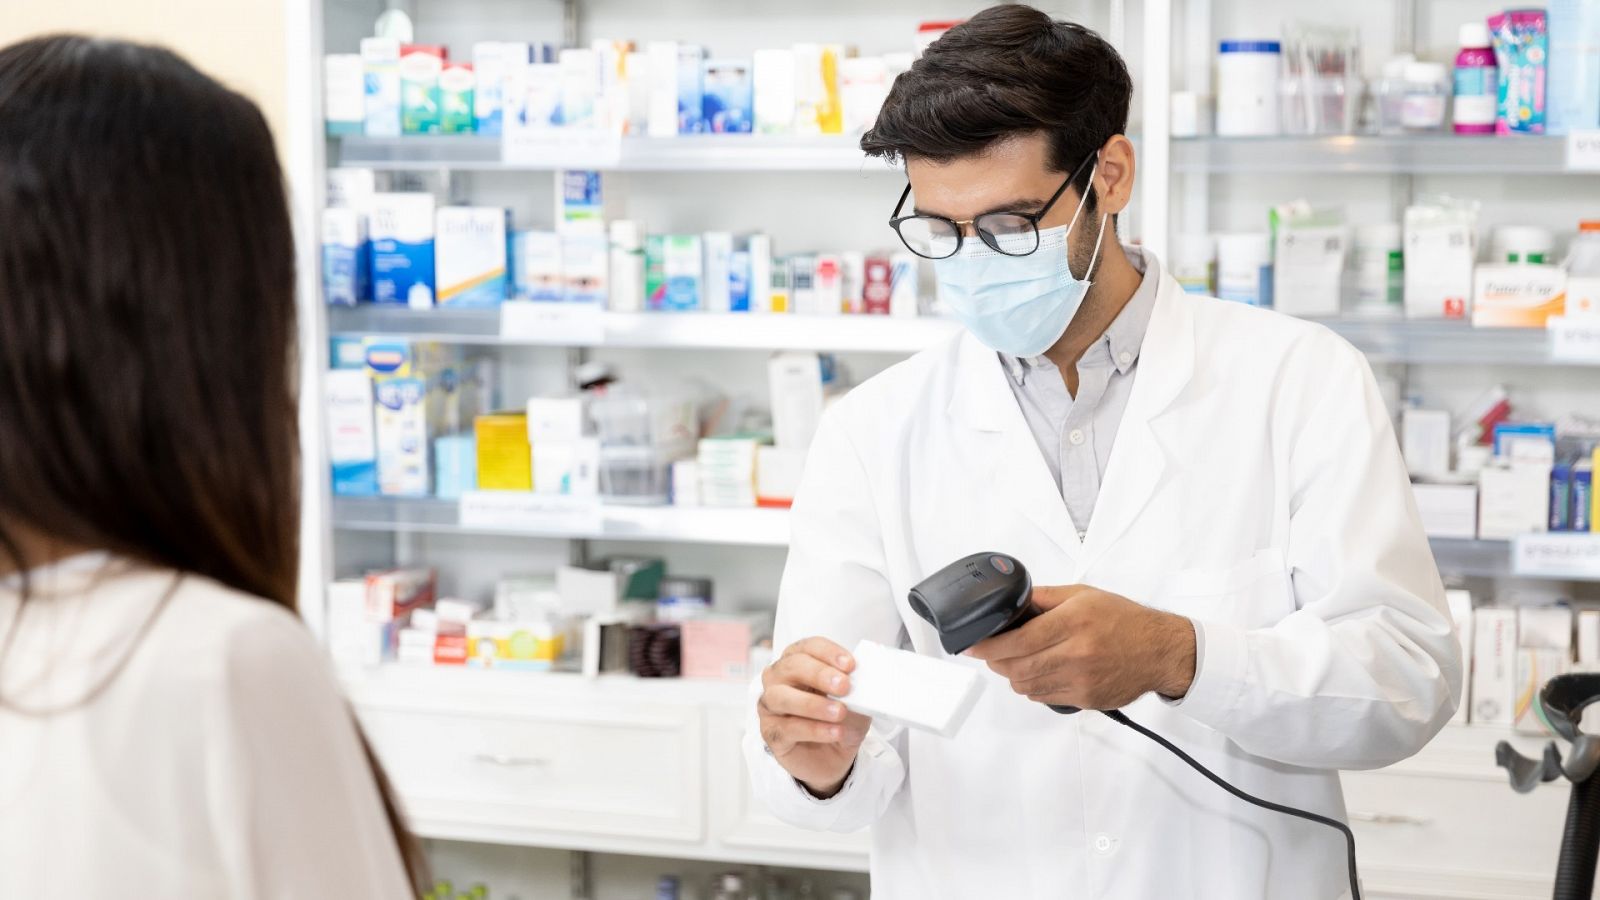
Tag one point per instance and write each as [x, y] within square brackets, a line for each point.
[1209, 497]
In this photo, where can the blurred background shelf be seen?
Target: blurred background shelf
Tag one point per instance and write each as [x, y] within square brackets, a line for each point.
[1386, 340]
[1441, 154]
[695, 153]
[676, 524]
[690, 330]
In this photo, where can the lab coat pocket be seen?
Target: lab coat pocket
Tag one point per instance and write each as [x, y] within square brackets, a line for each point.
[1255, 592]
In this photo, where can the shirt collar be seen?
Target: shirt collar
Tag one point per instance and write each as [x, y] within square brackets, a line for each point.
[1122, 340]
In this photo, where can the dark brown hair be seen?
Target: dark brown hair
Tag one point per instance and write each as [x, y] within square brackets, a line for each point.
[1009, 70]
[147, 320]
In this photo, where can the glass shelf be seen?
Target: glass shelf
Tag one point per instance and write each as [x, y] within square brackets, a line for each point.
[741, 527]
[1385, 340]
[1439, 154]
[691, 153]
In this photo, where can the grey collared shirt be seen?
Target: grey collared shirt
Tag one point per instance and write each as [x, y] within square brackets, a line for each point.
[1075, 434]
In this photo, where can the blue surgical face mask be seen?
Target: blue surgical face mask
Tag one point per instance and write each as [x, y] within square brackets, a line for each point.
[1018, 305]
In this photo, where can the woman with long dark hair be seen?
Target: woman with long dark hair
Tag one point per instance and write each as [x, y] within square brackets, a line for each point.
[167, 726]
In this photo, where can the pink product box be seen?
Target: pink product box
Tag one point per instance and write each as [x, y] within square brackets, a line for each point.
[716, 648]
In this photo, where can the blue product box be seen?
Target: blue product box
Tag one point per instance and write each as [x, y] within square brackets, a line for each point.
[582, 202]
[739, 281]
[727, 96]
[346, 257]
[691, 89]
[1582, 494]
[1507, 430]
[455, 465]
[1561, 497]
[401, 232]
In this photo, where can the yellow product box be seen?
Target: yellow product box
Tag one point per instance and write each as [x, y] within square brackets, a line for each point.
[505, 458]
[534, 645]
[1518, 295]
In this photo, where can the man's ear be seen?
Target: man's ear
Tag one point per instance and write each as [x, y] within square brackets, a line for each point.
[1113, 177]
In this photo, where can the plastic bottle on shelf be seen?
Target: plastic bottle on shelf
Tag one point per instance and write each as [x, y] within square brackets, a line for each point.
[1424, 105]
[1389, 95]
[1583, 271]
[1247, 88]
[1476, 81]
[1521, 244]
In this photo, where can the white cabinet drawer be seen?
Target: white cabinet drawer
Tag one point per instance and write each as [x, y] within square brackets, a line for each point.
[616, 770]
[741, 821]
[1432, 836]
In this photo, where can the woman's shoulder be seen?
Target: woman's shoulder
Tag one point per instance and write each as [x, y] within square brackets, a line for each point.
[229, 633]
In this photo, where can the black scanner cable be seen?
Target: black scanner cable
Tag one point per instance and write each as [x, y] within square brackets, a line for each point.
[986, 594]
[1116, 715]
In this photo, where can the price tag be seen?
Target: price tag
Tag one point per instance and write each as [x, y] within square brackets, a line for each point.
[1583, 151]
[533, 513]
[548, 322]
[1574, 339]
[561, 148]
[1557, 555]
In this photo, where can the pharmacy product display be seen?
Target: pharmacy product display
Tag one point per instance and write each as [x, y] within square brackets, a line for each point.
[1518, 72]
[1482, 474]
[621, 614]
[1312, 262]
[618, 87]
[407, 248]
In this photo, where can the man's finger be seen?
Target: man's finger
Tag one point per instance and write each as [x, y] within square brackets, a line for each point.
[1051, 596]
[805, 671]
[784, 733]
[784, 700]
[1025, 641]
[823, 649]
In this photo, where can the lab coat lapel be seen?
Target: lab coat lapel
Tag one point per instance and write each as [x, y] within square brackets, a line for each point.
[1020, 479]
[1142, 451]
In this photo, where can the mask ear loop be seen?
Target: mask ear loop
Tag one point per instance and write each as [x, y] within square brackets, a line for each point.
[1098, 238]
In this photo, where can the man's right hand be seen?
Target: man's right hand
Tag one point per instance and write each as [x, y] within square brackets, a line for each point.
[811, 735]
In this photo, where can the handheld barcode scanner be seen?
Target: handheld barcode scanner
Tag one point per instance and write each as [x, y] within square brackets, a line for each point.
[986, 594]
[977, 597]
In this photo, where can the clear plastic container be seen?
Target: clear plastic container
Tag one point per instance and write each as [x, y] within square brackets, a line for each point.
[1389, 95]
[641, 434]
[1583, 271]
[1427, 94]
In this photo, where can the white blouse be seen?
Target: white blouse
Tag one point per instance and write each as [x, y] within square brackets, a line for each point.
[220, 761]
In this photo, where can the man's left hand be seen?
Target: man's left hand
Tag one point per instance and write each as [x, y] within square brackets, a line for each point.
[1094, 650]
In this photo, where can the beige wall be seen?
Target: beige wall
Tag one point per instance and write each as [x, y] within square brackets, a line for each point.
[238, 42]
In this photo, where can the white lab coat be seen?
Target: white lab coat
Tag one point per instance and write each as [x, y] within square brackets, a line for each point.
[1256, 487]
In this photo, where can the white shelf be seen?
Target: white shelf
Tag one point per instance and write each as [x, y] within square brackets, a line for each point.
[690, 153]
[661, 330]
[458, 687]
[1438, 154]
[675, 524]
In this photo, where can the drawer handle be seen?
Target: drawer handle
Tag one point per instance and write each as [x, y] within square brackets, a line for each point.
[1389, 819]
[503, 759]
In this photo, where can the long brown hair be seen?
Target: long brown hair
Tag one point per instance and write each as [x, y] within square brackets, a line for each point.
[147, 321]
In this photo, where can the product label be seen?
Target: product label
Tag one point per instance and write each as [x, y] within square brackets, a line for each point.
[552, 323]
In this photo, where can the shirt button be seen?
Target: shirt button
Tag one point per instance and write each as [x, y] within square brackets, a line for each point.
[1076, 437]
[1104, 844]
[1124, 357]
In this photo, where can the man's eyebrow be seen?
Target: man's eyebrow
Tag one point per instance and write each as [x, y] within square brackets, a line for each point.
[1027, 205]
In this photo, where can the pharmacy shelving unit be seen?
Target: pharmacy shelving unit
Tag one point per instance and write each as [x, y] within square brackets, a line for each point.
[653, 768]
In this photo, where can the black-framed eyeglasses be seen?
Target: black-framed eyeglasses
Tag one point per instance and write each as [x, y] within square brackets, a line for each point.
[1011, 233]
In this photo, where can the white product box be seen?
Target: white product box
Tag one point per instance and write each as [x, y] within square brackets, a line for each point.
[828, 289]
[1425, 435]
[627, 266]
[344, 93]
[353, 640]
[778, 472]
[810, 91]
[638, 69]
[718, 248]
[353, 188]
[661, 71]
[1308, 264]
[567, 468]
[772, 74]
[402, 437]
[1513, 500]
[852, 278]
[1544, 650]
[863, 86]
[1439, 256]
[1448, 510]
[1517, 296]
[401, 229]
[905, 688]
[537, 258]
[580, 87]
[1460, 603]
[686, 482]
[760, 273]
[585, 268]
[555, 419]
[903, 284]
[795, 380]
[1589, 640]
[380, 61]
[803, 284]
[470, 255]
[497, 68]
[352, 437]
[1494, 663]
